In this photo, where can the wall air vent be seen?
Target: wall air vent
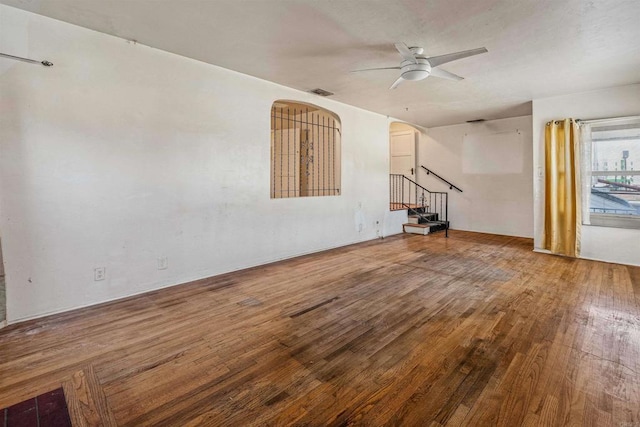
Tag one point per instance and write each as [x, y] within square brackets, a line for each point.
[475, 121]
[321, 92]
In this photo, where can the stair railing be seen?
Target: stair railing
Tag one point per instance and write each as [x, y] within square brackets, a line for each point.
[405, 193]
[451, 186]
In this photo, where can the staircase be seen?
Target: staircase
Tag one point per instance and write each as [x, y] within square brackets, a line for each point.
[423, 222]
[427, 210]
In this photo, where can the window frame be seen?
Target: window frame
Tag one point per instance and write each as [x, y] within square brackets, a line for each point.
[600, 219]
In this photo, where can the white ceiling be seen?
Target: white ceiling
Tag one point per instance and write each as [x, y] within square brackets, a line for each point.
[537, 48]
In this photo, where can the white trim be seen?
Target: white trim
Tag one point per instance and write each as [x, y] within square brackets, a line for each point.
[615, 173]
[542, 251]
[547, 252]
[613, 119]
[615, 221]
[608, 262]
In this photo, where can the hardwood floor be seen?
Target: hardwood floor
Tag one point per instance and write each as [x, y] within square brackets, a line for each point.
[472, 330]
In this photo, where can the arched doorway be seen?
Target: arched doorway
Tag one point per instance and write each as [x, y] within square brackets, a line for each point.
[403, 149]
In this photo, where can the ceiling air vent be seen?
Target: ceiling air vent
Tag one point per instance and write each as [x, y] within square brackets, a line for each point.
[475, 121]
[321, 92]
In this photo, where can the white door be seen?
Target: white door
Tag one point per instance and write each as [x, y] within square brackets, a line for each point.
[403, 153]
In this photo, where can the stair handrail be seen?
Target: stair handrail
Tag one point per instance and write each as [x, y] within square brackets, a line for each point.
[433, 202]
[418, 185]
[451, 186]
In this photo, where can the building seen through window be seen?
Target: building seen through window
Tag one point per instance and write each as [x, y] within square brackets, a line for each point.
[611, 171]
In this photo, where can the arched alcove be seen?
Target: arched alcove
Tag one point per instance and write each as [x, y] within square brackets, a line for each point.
[305, 150]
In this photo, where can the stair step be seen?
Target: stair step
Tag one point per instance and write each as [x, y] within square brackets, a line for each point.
[423, 218]
[438, 225]
[416, 228]
[425, 228]
[419, 209]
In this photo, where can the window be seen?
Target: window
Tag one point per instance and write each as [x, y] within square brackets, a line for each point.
[612, 179]
[305, 151]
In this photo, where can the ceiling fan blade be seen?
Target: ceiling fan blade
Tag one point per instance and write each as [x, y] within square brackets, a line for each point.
[397, 83]
[443, 59]
[438, 72]
[406, 53]
[375, 69]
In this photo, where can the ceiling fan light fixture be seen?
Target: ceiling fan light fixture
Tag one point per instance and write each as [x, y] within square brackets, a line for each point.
[415, 75]
[416, 71]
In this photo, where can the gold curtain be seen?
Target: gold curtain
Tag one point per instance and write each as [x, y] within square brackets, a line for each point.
[562, 217]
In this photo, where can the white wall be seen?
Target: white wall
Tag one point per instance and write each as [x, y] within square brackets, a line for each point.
[600, 243]
[499, 201]
[120, 154]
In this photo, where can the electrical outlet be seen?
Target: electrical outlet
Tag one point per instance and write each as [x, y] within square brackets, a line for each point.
[163, 263]
[99, 273]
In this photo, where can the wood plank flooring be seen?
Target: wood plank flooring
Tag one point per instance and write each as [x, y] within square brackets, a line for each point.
[411, 330]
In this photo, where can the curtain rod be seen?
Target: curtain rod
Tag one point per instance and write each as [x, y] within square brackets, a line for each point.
[613, 119]
[30, 61]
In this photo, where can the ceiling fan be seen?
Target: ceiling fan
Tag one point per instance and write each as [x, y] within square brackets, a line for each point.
[415, 66]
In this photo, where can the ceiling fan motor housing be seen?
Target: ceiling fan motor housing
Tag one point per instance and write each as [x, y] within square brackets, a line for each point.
[412, 71]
